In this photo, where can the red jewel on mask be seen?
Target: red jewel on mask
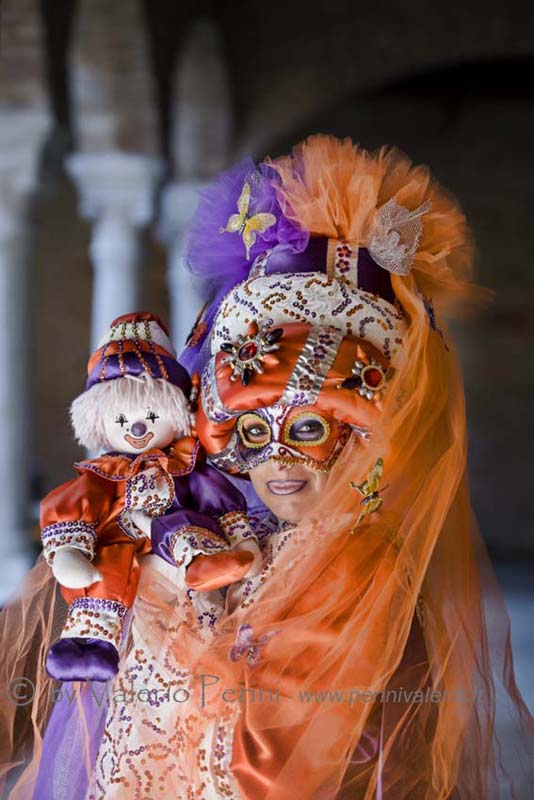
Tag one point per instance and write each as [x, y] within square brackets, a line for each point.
[373, 377]
[250, 353]
[247, 352]
[368, 379]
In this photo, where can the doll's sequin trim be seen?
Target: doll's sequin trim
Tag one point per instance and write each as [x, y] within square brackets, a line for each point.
[236, 527]
[75, 533]
[191, 540]
[94, 617]
[151, 491]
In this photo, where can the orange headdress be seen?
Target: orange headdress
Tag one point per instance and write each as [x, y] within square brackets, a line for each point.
[383, 586]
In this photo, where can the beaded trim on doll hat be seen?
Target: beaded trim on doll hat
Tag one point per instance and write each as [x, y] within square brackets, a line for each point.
[136, 344]
[138, 326]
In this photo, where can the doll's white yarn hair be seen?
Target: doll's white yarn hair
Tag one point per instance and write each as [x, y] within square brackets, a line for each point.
[124, 395]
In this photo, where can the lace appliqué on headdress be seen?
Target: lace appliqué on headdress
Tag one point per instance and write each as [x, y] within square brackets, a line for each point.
[395, 236]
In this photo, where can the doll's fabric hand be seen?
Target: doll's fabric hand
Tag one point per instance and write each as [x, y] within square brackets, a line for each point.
[251, 546]
[207, 573]
[72, 569]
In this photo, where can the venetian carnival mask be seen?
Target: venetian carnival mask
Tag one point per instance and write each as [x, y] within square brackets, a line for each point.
[289, 435]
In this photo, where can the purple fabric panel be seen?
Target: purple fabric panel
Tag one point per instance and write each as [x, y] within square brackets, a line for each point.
[372, 278]
[176, 373]
[200, 498]
[163, 528]
[312, 259]
[63, 770]
[212, 492]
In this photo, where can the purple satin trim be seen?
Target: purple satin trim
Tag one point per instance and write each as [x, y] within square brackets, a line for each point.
[195, 358]
[63, 771]
[132, 364]
[78, 659]
[164, 528]
[372, 278]
[212, 492]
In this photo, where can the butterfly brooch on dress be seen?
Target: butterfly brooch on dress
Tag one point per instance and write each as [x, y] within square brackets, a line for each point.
[245, 224]
[370, 491]
[246, 645]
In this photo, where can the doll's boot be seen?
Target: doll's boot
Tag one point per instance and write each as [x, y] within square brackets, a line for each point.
[82, 659]
[207, 573]
[90, 640]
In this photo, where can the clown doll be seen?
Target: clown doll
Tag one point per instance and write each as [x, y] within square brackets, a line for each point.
[95, 527]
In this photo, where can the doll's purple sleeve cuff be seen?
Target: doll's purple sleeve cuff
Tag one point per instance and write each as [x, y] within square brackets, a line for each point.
[181, 535]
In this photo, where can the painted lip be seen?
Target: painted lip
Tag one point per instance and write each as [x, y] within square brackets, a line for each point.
[139, 443]
[286, 487]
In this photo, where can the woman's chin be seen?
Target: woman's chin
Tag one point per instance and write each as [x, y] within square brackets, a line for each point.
[288, 508]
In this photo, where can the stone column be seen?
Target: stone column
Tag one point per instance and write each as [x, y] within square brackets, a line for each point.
[116, 192]
[187, 293]
[201, 135]
[21, 133]
[116, 170]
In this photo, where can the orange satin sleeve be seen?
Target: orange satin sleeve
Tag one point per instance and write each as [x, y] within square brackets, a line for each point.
[86, 497]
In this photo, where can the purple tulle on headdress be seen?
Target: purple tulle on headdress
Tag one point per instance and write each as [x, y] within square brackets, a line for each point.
[221, 256]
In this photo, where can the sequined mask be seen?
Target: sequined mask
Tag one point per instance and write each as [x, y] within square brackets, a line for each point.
[287, 434]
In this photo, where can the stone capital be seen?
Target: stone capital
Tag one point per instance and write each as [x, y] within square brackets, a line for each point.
[116, 183]
[22, 133]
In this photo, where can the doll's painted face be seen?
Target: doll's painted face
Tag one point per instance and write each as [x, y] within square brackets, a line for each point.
[138, 429]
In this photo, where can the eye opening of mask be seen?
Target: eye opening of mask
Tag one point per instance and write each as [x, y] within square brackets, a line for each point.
[248, 438]
[319, 433]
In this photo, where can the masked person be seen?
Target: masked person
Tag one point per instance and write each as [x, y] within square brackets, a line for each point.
[361, 662]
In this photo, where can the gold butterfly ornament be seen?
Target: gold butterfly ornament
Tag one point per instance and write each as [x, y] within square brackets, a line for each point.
[370, 491]
[244, 224]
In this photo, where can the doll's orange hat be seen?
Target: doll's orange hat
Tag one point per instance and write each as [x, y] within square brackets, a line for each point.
[136, 344]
